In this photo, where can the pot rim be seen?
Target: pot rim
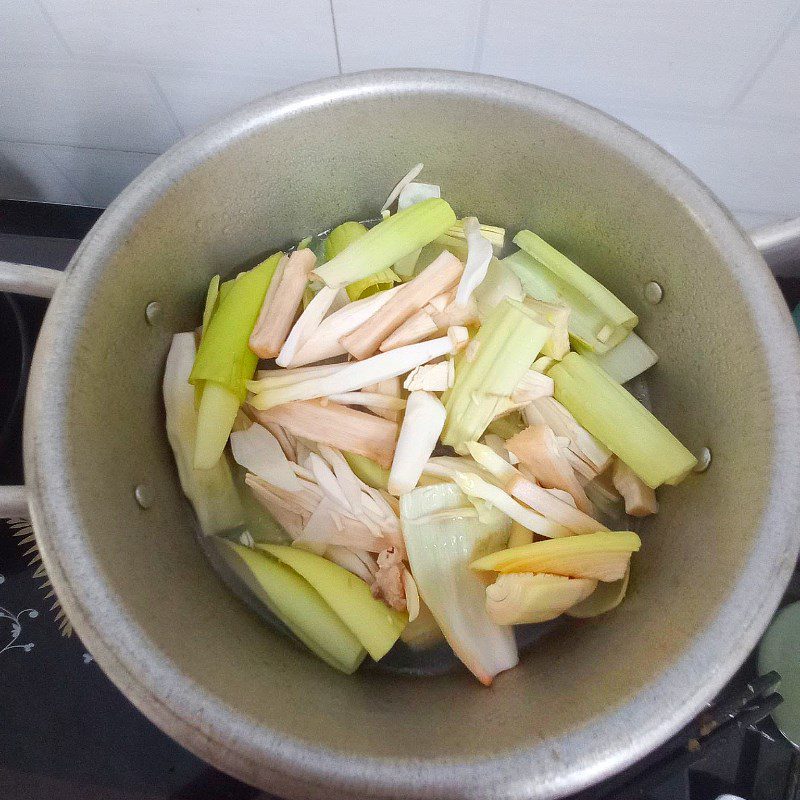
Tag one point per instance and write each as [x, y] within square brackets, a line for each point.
[233, 742]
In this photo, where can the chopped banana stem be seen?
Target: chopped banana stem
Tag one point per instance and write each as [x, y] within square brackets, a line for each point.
[337, 426]
[280, 307]
[365, 340]
[640, 499]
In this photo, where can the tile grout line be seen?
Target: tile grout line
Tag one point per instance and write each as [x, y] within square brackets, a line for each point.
[765, 61]
[84, 198]
[336, 38]
[160, 92]
[56, 32]
[480, 35]
[40, 143]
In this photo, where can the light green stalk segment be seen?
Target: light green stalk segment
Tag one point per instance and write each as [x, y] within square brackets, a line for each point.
[589, 323]
[389, 241]
[503, 350]
[370, 620]
[367, 470]
[620, 421]
[342, 237]
[597, 294]
[625, 361]
[224, 361]
[297, 604]
[215, 416]
[223, 356]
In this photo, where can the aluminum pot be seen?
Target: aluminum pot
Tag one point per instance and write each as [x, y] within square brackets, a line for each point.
[588, 700]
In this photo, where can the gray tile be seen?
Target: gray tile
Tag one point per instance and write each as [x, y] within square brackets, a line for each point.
[93, 106]
[198, 97]
[100, 175]
[248, 35]
[26, 173]
[693, 54]
[749, 163]
[413, 33]
[776, 91]
[25, 32]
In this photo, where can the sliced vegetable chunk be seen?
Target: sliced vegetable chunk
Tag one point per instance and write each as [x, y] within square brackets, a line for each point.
[373, 623]
[297, 604]
[620, 421]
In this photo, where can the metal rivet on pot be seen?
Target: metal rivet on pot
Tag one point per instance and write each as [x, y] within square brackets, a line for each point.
[144, 495]
[703, 460]
[653, 293]
[153, 313]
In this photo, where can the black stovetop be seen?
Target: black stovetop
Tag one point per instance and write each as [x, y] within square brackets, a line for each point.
[66, 732]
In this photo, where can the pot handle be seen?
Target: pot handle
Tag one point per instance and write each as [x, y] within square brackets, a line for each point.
[36, 282]
[26, 279]
[780, 245]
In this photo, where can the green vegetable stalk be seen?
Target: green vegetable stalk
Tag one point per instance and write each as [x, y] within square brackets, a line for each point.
[224, 362]
[388, 242]
[490, 369]
[612, 414]
[598, 319]
[338, 240]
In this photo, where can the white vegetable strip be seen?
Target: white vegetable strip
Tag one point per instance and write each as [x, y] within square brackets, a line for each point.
[259, 452]
[275, 378]
[345, 557]
[474, 486]
[307, 323]
[412, 595]
[530, 494]
[391, 387]
[429, 378]
[357, 375]
[210, 491]
[538, 451]
[401, 184]
[422, 426]
[324, 342]
[500, 283]
[479, 254]
[370, 399]
[326, 481]
[416, 192]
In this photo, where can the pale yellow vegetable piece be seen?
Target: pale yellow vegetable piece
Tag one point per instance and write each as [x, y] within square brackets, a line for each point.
[296, 604]
[371, 621]
[602, 556]
[522, 598]
[605, 598]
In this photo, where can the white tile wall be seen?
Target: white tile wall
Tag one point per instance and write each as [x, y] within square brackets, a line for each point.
[96, 106]
[90, 91]
[411, 33]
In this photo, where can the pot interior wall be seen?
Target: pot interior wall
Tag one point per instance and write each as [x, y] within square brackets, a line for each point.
[311, 169]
